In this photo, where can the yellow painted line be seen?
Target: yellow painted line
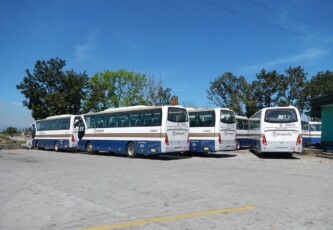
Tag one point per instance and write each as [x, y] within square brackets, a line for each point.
[168, 218]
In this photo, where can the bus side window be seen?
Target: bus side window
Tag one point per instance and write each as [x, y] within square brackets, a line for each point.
[111, 120]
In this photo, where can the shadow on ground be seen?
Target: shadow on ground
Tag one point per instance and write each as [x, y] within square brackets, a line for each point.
[276, 155]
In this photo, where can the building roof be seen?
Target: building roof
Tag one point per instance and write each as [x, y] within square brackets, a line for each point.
[317, 103]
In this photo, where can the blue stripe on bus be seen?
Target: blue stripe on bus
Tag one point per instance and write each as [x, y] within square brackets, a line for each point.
[49, 143]
[243, 142]
[311, 141]
[119, 146]
[202, 146]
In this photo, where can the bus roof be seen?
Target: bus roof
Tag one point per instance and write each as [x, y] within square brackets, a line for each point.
[133, 108]
[241, 117]
[206, 109]
[58, 116]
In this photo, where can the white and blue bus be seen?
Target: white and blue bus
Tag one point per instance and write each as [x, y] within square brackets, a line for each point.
[242, 132]
[55, 132]
[276, 129]
[135, 130]
[212, 130]
[311, 133]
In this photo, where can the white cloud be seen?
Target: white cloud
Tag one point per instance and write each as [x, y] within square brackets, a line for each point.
[124, 39]
[17, 104]
[306, 56]
[83, 51]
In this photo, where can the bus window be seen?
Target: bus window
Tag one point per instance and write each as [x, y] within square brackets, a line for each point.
[123, 120]
[100, 121]
[136, 119]
[111, 120]
[280, 115]
[177, 115]
[227, 117]
[90, 121]
[153, 118]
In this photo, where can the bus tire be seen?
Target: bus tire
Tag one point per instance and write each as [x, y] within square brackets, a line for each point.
[89, 148]
[130, 150]
[56, 146]
[237, 145]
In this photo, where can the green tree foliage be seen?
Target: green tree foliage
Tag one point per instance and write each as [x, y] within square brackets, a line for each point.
[268, 89]
[229, 91]
[156, 93]
[250, 102]
[10, 131]
[294, 88]
[115, 89]
[50, 90]
[319, 85]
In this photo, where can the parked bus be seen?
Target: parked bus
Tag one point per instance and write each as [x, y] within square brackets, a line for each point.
[242, 132]
[311, 133]
[135, 130]
[276, 129]
[212, 130]
[55, 132]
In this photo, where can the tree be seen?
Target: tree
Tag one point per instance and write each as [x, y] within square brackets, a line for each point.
[50, 90]
[320, 85]
[157, 94]
[115, 89]
[10, 131]
[250, 101]
[228, 91]
[268, 89]
[294, 88]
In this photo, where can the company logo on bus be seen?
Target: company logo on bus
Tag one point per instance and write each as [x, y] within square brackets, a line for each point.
[98, 131]
[228, 133]
[276, 134]
[177, 133]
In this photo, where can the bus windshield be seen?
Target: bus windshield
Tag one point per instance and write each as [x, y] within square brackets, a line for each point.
[177, 115]
[227, 117]
[280, 115]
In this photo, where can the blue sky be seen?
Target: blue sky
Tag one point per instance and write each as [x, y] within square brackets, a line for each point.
[185, 43]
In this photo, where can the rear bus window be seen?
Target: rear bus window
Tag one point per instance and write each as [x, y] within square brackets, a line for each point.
[280, 115]
[177, 115]
[227, 117]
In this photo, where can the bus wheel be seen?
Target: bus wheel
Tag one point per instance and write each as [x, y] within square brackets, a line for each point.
[130, 150]
[89, 148]
[56, 146]
[237, 145]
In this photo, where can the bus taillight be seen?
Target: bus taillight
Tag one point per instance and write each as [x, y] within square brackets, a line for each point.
[73, 139]
[299, 140]
[264, 140]
[220, 138]
[166, 139]
[188, 139]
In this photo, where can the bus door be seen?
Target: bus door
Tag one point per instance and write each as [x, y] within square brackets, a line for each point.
[81, 128]
[33, 131]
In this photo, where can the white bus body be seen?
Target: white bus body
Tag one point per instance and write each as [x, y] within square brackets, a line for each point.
[56, 132]
[276, 129]
[212, 130]
[242, 132]
[136, 130]
[311, 133]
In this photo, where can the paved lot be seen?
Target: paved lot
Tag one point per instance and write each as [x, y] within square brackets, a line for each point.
[54, 190]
